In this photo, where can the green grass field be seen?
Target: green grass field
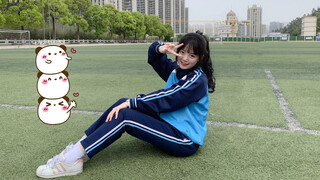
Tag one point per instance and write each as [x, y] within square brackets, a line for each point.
[244, 95]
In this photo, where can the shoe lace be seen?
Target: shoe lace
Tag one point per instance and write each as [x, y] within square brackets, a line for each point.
[52, 162]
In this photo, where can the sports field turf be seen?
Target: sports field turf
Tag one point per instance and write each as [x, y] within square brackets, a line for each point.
[244, 95]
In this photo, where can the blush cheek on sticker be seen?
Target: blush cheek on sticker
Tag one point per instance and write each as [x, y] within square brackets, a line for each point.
[44, 82]
[44, 56]
[63, 54]
[64, 108]
[45, 109]
[64, 80]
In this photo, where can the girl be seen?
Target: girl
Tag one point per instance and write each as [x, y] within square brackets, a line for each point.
[173, 119]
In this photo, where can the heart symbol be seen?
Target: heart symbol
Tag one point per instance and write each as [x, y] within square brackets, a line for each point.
[75, 94]
[73, 50]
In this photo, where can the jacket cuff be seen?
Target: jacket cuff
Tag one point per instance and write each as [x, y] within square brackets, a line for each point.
[133, 103]
[159, 43]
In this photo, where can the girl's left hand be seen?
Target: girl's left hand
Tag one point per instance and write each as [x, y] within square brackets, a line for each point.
[116, 110]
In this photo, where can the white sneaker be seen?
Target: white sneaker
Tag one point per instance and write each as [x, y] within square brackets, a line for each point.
[56, 167]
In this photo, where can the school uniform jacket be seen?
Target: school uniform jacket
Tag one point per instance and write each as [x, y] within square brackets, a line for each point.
[183, 102]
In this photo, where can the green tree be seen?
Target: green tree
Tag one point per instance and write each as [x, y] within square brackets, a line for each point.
[79, 9]
[23, 13]
[163, 31]
[3, 4]
[293, 28]
[170, 32]
[2, 19]
[98, 21]
[318, 22]
[317, 14]
[114, 18]
[56, 11]
[127, 24]
[140, 28]
[154, 26]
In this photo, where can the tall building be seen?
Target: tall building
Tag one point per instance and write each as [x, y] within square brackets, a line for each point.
[276, 26]
[182, 16]
[309, 26]
[230, 28]
[263, 30]
[153, 7]
[162, 10]
[142, 6]
[242, 30]
[186, 18]
[168, 11]
[171, 12]
[255, 18]
[103, 2]
[129, 5]
[177, 16]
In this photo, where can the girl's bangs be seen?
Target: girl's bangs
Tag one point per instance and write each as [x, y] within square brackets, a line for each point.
[191, 45]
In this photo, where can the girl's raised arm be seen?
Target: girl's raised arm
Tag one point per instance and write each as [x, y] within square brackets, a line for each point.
[169, 48]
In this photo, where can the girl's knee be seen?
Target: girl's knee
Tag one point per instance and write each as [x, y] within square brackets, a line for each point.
[122, 100]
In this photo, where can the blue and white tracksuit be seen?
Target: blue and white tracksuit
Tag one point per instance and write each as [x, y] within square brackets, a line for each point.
[173, 118]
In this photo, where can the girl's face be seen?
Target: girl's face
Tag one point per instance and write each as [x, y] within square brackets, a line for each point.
[187, 59]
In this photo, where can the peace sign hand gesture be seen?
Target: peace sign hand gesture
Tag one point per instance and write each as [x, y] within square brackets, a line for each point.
[169, 48]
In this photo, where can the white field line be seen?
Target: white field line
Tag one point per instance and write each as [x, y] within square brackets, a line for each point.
[35, 108]
[209, 122]
[292, 121]
[269, 128]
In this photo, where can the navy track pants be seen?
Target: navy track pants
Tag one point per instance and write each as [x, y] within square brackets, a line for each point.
[145, 127]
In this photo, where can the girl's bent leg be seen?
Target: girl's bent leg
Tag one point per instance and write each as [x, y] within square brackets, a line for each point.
[103, 117]
[142, 126]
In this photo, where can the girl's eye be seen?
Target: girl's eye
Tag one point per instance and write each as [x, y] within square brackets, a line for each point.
[61, 103]
[60, 52]
[182, 52]
[48, 104]
[49, 79]
[49, 53]
[60, 77]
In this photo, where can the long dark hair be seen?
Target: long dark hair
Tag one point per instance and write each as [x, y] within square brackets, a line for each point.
[200, 46]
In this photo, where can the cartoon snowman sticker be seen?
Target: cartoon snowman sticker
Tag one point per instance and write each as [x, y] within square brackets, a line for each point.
[52, 59]
[55, 111]
[53, 84]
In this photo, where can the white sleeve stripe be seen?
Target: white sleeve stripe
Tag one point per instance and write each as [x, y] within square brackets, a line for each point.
[176, 88]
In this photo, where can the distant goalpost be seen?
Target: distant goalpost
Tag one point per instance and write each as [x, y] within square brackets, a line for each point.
[17, 36]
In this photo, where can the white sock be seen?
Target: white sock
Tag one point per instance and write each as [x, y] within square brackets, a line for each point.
[74, 154]
[83, 137]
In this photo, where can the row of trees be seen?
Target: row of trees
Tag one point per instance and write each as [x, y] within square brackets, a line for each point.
[82, 15]
[294, 27]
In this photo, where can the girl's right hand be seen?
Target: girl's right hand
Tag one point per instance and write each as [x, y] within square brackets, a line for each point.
[115, 110]
[169, 48]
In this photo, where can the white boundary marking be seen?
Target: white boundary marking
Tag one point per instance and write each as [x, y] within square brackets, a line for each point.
[291, 119]
[294, 125]
[209, 122]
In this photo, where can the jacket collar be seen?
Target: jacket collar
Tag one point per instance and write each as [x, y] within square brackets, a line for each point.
[182, 72]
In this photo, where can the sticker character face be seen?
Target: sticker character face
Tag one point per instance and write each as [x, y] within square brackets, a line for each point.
[53, 111]
[52, 59]
[53, 86]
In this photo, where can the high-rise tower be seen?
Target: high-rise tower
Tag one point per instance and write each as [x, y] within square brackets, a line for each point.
[169, 11]
[255, 18]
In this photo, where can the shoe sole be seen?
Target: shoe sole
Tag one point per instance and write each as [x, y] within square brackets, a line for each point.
[60, 175]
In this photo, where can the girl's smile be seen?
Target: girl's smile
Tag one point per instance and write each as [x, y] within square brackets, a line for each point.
[187, 59]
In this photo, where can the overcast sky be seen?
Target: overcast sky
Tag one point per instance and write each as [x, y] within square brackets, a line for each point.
[272, 10]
